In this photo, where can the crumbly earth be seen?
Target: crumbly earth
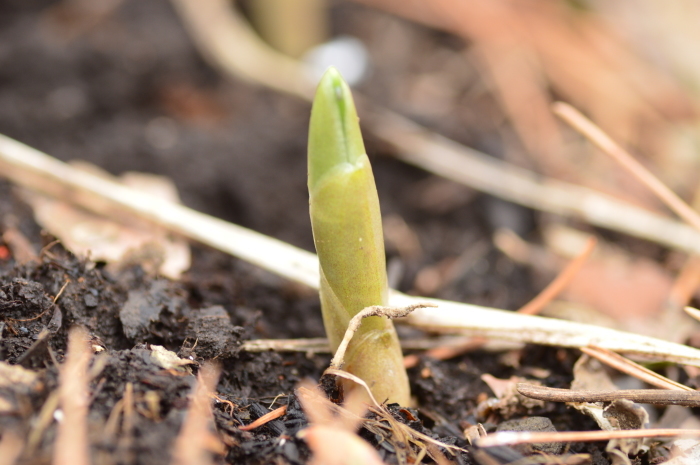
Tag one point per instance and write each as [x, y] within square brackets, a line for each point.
[200, 319]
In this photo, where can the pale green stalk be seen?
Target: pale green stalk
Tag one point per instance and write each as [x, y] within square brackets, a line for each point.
[348, 235]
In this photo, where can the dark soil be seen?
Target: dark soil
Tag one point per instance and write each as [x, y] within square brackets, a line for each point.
[238, 153]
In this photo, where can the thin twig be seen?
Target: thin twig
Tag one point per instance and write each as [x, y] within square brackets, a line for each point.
[505, 438]
[598, 137]
[268, 417]
[374, 310]
[642, 396]
[60, 292]
[631, 368]
[560, 282]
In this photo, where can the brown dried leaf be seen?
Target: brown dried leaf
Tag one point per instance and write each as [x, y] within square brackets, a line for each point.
[120, 242]
[589, 374]
[509, 400]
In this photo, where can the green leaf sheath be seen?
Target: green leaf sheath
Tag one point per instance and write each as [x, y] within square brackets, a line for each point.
[347, 231]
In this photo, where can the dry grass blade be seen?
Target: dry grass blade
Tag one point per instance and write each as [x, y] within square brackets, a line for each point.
[626, 365]
[627, 161]
[72, 447]
[195, 441]
[415, 436]
[399, 428]
[506, 438]
[314, 404]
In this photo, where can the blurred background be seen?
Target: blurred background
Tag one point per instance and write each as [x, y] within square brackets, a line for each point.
[214, 94]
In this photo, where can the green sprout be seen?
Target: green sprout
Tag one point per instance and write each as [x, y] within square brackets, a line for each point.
[347, 230]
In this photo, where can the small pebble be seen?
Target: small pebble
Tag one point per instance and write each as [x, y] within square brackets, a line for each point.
[534, 424]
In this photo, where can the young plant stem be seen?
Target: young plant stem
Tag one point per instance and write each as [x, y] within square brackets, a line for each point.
[348, 236]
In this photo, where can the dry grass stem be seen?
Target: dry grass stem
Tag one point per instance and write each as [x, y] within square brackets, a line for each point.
[195, 441]
[694, 312]
[596, 135]
[631, 368]
[375, 310]
[511, 437]
[42, 173]
[319, 345]
[33, 169]
[453, 317]
[72, 446]
[643, 396]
